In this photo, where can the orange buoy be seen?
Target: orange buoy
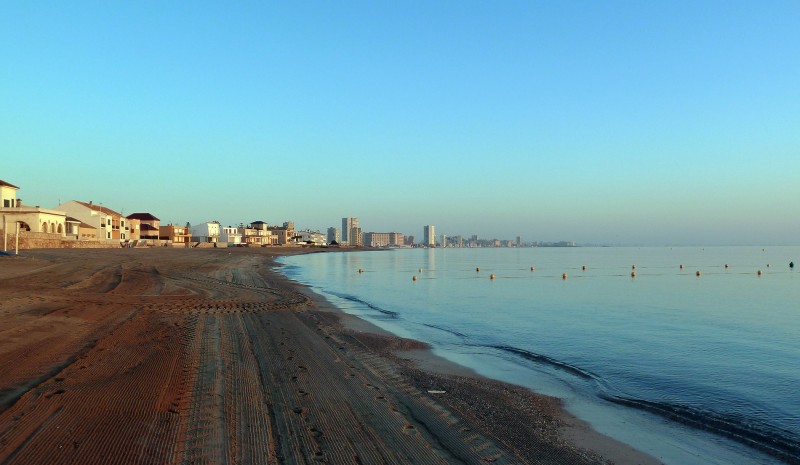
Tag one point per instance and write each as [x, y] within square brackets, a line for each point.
[633, 274]
[697, 273]
[360, 270]
[491, 276]
[564, 276]
[759, 272]
[583, 267]
[414, 278]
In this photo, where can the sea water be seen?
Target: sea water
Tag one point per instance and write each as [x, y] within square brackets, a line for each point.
[691, 369]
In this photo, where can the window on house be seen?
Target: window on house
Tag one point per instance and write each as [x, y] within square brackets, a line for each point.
[109, 236]
[6, 203]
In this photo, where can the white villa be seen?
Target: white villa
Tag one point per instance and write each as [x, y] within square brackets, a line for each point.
[33, 219]
[231, 235]
[206, 232]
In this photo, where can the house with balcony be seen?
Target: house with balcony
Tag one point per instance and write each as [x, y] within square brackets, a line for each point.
[110, 225]
[175, 234]
[206, 232]
[149, 227]
[231, 236]
[257, 234]
[284, 233]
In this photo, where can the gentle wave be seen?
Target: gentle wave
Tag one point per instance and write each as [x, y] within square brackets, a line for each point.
[774, 441]
[446, 330]
[543, 359]
[352, 298]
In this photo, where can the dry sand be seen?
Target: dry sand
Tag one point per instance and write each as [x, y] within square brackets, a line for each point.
[209, 356]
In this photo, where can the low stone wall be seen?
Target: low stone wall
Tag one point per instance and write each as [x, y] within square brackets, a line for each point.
[211, 245]
[34, 240]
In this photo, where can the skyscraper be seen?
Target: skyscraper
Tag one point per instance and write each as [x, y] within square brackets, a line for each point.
[348, 224]
[429, 236]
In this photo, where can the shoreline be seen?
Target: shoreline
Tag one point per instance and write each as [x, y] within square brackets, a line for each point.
[572, 429]
[222, 358]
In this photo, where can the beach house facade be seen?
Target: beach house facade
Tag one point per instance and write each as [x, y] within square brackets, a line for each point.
[175, 234]
[257, 233]
[110, 225]
[231, 236]
[206, 232]
[148, 226]
[29, 218]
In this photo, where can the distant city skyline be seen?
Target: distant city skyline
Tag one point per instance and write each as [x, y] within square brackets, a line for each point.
[607, 123]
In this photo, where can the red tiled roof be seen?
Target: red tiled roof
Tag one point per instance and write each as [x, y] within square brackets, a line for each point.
[3, 183]
[99, 208]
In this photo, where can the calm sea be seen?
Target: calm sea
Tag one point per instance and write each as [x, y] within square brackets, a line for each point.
[691, 369]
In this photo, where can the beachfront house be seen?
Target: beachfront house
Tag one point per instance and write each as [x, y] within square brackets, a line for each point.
[134, 229]
[311, 237]
[148, 226]
[30, 218]
[231, 236]
[285, 233]
[257, 234]
[174, 233]
[206, 232]
[110, 225]
[80, 231]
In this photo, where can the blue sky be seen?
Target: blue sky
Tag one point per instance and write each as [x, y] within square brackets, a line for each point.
[606, 122]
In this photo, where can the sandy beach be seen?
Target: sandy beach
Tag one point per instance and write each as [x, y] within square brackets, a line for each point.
[210, 356]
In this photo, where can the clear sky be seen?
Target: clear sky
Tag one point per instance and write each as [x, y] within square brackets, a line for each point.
[607, 122]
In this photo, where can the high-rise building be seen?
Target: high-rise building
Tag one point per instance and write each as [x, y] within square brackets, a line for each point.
[348, 224]
[444, 240]
[355, 237]
[333, 235]
[429, 236]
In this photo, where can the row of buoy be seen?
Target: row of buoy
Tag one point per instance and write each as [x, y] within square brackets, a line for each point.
[633, 267]
[633, 273]
[564, 276]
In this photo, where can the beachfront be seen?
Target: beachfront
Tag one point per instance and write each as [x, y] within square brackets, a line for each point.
[209, 356]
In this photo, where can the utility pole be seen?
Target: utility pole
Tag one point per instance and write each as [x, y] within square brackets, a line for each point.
[16, 251]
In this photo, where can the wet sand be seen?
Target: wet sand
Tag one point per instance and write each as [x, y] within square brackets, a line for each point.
[209, 356]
